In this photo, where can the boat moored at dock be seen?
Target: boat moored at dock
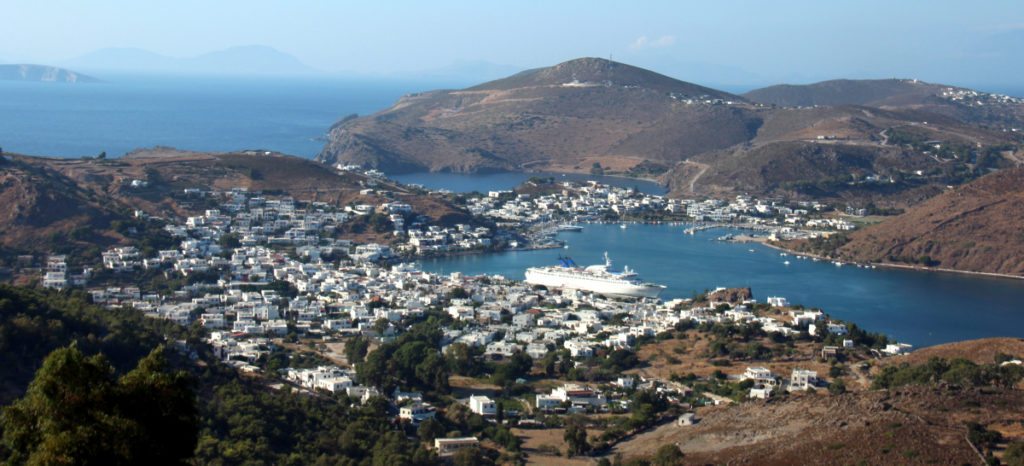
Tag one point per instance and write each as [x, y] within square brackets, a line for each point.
[595, 278]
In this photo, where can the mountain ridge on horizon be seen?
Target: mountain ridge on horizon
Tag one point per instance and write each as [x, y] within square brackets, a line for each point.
[245, 59]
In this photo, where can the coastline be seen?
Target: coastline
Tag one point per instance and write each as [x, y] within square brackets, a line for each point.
[890, 265]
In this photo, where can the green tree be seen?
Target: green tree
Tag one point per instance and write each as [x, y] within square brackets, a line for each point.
[576, 436]
[433, 372]
[429, 430]
[519, 365]
[462, 360]
[412, 361]
[229, 241]
[76, 412]
[473, 456]
[458, 293]
[356, 349]
[1014, 454]
[667, 455]
[380, 325]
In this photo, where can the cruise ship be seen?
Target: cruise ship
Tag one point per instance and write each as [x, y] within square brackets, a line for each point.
[595, 278]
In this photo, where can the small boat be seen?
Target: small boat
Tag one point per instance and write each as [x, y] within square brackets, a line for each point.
[783, 254]
[570, 228]
[785, 263]
[838, 264]
[750, 250]
[623, 226]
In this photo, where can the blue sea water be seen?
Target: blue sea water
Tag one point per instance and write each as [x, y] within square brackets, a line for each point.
[921, 308]
[126, 112]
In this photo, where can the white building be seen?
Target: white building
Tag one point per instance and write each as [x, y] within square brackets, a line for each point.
[759, 375]
[898, 348]
[482, 405]
[777, 301]
[416, 413]
[448, 446]
[802, 379]
[761, 392]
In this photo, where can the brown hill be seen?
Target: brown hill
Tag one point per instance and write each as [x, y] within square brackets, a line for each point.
[964, 104]
[913, 425]
[600, 72]
[866, 92]
[976, 227]
[909, 425]
[69, 205]
[980, 351]
[566, 116]
[39, 206]
[586, 112]
[832, 153]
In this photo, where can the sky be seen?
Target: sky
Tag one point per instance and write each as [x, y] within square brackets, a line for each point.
[958, 42]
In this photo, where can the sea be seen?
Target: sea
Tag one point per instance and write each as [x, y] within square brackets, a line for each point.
[126, 112]
[293, 115]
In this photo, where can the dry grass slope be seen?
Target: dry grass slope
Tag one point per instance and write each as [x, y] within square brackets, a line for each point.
[976, 227]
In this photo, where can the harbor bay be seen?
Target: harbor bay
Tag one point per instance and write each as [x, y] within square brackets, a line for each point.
[916, 307]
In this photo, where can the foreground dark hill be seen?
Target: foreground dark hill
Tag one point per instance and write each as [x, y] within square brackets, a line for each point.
[976, 227]
[241, 419]
[42, 73]
[566, 117]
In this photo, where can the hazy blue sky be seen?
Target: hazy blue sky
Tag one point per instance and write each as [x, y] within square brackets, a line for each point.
[962, 42]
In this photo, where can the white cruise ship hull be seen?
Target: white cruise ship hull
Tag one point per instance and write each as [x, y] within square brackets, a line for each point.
[599, 285]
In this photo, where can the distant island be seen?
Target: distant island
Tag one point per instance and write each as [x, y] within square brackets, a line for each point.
[43, 73]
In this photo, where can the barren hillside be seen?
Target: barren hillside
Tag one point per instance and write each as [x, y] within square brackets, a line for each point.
[52, 205]
[797, 140]
[976, 227]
